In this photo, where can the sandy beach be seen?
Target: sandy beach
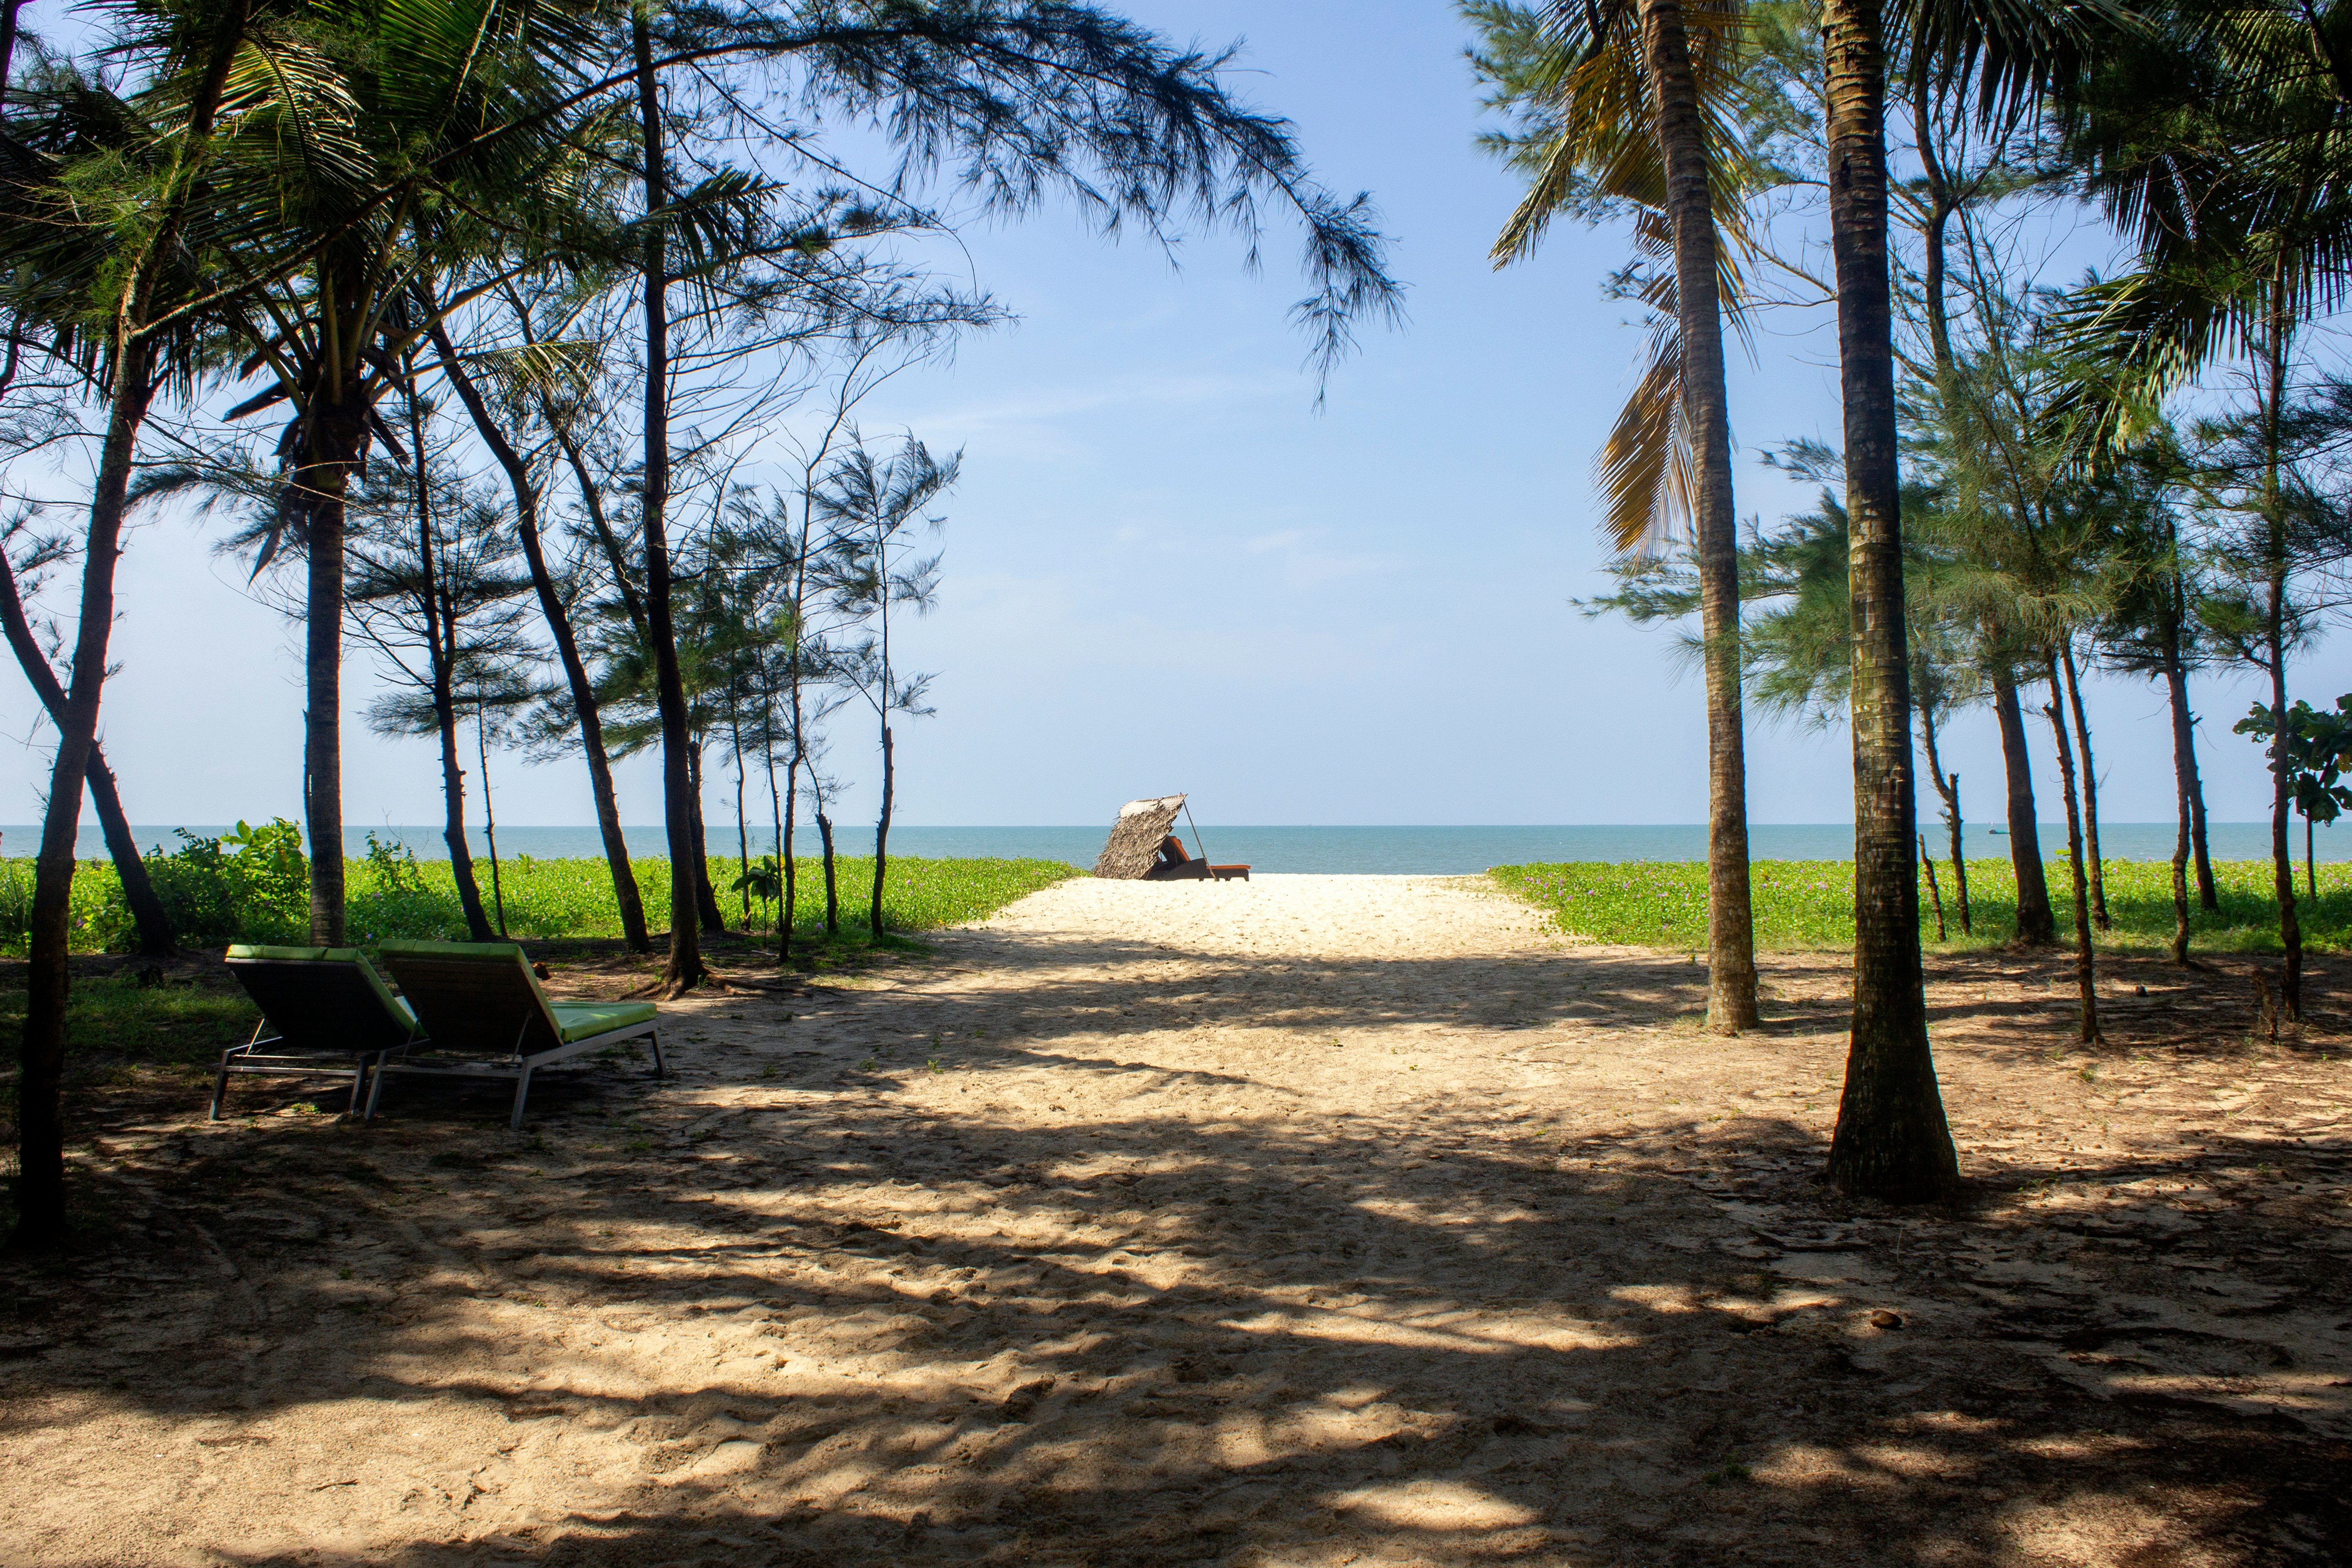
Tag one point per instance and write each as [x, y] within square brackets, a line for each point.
[1306, 1222]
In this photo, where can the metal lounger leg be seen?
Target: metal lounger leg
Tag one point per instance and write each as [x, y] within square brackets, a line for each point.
[375, 1087]
[656, 1037]
[522, 1090]
[359, 1078]
[220, 1083]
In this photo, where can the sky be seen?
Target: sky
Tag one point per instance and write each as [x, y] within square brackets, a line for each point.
[1167, 569]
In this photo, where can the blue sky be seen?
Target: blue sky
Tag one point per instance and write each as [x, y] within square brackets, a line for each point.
[1165, 570]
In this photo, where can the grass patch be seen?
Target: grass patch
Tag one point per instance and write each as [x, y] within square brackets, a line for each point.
[1809, 904]
[549, 899]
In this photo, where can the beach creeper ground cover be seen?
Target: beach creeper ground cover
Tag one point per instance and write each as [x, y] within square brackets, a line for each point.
[395, 896]
[1809, 904]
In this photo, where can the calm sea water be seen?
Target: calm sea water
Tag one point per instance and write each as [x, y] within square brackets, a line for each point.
[1450, 850]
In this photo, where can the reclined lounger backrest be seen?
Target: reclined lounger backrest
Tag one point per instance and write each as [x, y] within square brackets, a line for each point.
[326, 999]
[475, 996]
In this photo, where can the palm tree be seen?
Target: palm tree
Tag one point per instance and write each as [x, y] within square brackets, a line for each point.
[1591, 71]
[437, 117]
[143, 338]
[1892, 1140]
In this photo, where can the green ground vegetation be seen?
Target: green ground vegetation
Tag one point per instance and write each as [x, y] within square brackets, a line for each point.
[1802, 904]
[215, 898]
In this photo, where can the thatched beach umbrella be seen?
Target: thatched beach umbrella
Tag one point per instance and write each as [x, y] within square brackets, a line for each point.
[1135, 837]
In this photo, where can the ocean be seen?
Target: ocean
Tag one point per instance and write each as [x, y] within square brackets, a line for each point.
[1428, 850]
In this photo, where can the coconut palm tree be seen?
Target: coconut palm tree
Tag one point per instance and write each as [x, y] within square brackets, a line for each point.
[1632, 99]
[154, 174]
[1892, 1140]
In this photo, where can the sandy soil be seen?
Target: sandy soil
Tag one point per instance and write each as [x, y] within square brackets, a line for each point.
[1308, 1222]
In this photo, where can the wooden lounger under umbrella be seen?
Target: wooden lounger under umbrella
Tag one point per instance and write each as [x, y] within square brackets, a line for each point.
[1143, 847]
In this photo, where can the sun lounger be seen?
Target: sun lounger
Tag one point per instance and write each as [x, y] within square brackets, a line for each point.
[1173, 864]
[479, 999]
[327, 1012]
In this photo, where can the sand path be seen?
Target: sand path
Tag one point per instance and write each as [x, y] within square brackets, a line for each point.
[1318, 1220]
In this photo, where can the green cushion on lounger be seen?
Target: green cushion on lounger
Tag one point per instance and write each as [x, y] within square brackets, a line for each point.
[578, 1020]
[351, 955]
[568, 1021]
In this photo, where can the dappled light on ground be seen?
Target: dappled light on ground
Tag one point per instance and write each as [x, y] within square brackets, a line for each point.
[1308, 1221]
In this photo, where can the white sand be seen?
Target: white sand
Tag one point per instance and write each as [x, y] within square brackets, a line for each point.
[1315, 1220]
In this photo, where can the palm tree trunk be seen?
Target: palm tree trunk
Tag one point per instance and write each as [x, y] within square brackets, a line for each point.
[138, 888]
[2086, 981]
[1892, 1140]
[1730, 941]
[684, 969]
[340, 434]
[584, 705]
[2090, 790]
[2035, 923]
[41, 1051]
[41, 1048]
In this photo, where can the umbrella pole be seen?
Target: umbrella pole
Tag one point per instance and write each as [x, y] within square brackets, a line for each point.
[1196, 826]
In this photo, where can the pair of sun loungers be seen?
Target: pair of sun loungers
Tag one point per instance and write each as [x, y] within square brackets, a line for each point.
[467, 1009]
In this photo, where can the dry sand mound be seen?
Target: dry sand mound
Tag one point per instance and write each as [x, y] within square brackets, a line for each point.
[1313, 1220]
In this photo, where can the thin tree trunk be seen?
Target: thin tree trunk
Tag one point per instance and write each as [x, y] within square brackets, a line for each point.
[41, 1048]
[742, 828]
[2035, 923]
[584, 706]
[2184, 776]
[832, 886]
[489, 817]
[138, 890]
[2090, 789]
[2180, 885]
[791, 868]
[441, 636]
[1950, 789]
[2274, 644]
[776, 830]
[1927, 864]
[2209, 897]
[684, 969]
[705, 897]
[2310, 863]
[453, 817]
[882, 837]
[2184, 771]
[1730, 941]
[1892, 1140]
[41, 1053]
[2087, 980]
